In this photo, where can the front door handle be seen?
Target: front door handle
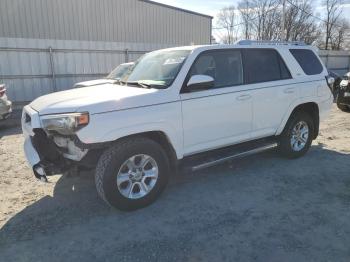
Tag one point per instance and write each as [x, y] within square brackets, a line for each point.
[243, 97]
[289, 90]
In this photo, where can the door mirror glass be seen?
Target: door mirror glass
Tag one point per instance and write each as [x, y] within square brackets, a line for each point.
[200, 82]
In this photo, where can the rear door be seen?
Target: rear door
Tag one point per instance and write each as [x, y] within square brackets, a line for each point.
[272, 88]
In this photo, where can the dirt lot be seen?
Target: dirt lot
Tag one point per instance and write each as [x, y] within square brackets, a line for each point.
[261, 208]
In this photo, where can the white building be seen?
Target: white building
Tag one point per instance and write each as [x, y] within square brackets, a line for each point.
[47, 45]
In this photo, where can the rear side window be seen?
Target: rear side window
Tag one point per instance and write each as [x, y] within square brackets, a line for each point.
[308, 61]
[263, 65]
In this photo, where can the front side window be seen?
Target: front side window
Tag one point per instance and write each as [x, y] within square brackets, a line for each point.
[224, 66]
[307, 60]
[157, 69]
[263, 65]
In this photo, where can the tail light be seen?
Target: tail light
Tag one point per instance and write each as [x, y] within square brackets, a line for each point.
[2, 90]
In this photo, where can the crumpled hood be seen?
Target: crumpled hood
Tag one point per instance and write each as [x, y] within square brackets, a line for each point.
[96, 99]
[94, 82]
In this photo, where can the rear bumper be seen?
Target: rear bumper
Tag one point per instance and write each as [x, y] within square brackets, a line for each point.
[5, 109]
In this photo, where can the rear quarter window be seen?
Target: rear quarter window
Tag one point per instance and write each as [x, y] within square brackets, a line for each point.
[308, 61]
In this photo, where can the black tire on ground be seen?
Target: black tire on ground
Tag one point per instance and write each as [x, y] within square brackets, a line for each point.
[343, 108]
[285, 146]
[111, 161]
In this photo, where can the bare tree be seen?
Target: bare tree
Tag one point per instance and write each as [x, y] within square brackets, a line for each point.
[259, 18]
[226, 19]
[262, 20]
[266, 14]
[245, 9]
[333, 12]
[299, 24]
[338, 37]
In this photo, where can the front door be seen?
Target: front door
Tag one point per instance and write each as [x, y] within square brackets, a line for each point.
[222, 114]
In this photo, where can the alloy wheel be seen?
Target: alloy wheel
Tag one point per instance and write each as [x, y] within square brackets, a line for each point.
[137, 176]
[300, 136]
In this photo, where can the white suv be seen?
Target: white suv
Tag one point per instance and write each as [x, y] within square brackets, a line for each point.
[195, 106]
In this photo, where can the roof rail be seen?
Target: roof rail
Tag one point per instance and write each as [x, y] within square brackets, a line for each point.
[263, 42]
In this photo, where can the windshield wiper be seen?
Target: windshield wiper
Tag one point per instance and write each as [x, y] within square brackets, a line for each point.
[118, 82]
[144, 84]
[138, 83]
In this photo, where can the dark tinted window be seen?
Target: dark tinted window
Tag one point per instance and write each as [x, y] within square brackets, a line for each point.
[224, 66]
[285, 74]
[262, 65]
[308, 61]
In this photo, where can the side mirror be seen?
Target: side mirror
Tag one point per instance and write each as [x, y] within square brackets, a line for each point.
[200, 82]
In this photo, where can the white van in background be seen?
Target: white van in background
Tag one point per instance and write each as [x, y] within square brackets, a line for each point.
[115, 75]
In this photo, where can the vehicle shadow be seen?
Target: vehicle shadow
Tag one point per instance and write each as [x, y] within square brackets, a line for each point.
[13, 121]
[238, 193]
[8, 129]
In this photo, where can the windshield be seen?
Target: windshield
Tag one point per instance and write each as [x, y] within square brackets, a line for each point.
[156, 69]
[119, 71]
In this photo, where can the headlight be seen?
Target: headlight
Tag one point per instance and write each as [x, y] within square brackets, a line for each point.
[65, 124]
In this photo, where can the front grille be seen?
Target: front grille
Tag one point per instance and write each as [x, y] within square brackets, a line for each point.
[45, 147]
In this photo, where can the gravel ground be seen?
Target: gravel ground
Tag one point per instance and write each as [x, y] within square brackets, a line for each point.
[261, 208]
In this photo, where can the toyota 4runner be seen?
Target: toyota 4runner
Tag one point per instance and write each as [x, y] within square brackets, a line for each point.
[190, 106]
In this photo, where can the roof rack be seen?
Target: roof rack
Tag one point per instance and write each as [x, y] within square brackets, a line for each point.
[254, 42]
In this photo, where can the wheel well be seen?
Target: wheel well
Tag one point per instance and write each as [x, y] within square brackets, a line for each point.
[162, 139]
[312, 109]
[95, 150]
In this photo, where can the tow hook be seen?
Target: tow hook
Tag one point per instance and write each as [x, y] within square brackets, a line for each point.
[40, 173]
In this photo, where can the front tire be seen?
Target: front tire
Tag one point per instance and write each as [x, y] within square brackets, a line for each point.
[132, 173]
[296, 137]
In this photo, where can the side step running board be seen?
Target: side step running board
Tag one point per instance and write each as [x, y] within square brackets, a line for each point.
[234, 156]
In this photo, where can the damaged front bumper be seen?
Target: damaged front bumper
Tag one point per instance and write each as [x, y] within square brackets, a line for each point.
[47, 155]
[34, 160]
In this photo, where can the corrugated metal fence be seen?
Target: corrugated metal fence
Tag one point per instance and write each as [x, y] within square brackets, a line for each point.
[337, 61]
[85, 63]
[33, 68]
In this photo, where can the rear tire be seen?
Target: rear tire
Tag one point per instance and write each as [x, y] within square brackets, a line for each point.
[296, 137]
[343, 108]
[121, 179]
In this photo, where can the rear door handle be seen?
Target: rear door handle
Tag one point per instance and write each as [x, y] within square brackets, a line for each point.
[289, 90]
[243, 97]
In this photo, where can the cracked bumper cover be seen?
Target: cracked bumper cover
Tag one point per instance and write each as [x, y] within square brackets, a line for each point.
[30, 152]
[41, 150]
